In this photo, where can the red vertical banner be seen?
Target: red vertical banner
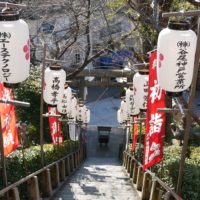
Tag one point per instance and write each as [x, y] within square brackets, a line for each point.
[55, 127]
[155, 121]
[135, 133]
[8, 121]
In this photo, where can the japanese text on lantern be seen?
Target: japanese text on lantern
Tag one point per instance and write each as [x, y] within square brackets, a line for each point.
[145, 94]
[182, 61]
[55, 87]
[132, 103]
[4, 53]
[64, 104]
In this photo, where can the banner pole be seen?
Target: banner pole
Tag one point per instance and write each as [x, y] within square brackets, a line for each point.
[3, 159]
[42, 107]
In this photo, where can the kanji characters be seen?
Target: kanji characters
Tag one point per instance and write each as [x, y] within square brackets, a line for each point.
[155, 123]
[156, 92]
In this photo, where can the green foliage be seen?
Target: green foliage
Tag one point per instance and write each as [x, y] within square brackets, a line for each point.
[191, 178]
[19, 166]
[30, 91]
[178, 5]
[168, 170]
[115, 4]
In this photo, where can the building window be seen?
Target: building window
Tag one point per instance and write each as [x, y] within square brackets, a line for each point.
[77, 58]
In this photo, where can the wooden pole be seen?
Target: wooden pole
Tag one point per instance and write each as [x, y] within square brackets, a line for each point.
[127, 136]
[181, 14]
[189, 114]
[3, 159]
[140, 143]
[12, 5]
[15, 103]
[42, 107]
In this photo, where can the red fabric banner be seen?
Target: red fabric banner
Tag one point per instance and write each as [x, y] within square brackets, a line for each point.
[8, 121]
[155, 121]
[135, 134]
[55, 127]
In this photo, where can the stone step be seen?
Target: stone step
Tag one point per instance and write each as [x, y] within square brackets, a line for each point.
[98, 179]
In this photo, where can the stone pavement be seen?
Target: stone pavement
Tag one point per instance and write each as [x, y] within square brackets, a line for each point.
[98, 179]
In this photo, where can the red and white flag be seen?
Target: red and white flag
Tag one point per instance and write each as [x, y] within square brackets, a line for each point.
[155, 121]
[55, 127]
[8, 121]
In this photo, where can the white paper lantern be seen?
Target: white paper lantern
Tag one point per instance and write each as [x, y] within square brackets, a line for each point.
[132, 105]
[123, 109]
[119, 116]
[64, 105]
[175, 57]
[73, 132]
[87, 116]
[140, 87]
[73, 109]
[81, 112]
[54, 80]
[14, 48]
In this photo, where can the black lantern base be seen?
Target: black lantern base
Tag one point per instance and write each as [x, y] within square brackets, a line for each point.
[11, 85]
[143, 110]
[53, 106]
[174, 94]
[134, 115]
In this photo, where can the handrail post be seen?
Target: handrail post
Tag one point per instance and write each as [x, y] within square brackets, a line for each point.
[72, 163]
[14, 194]
[154, 191]
[135, 170]
[81, 153]
[124, 156]
[129, 161]
[67, 160]
[126, 160]
[55, 179]
[146, 187]
[168, 196]
[46, 183]
[79, 157]
[62, 170]
[33, 188]
[140, 176]
[75, 160]
[131, 168]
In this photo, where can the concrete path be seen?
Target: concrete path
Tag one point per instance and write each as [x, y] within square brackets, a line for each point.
[98, 179]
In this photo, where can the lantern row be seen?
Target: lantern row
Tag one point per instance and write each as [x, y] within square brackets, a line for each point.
[135, 99]
[56, 93]
[174, 65]
[176, 48]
